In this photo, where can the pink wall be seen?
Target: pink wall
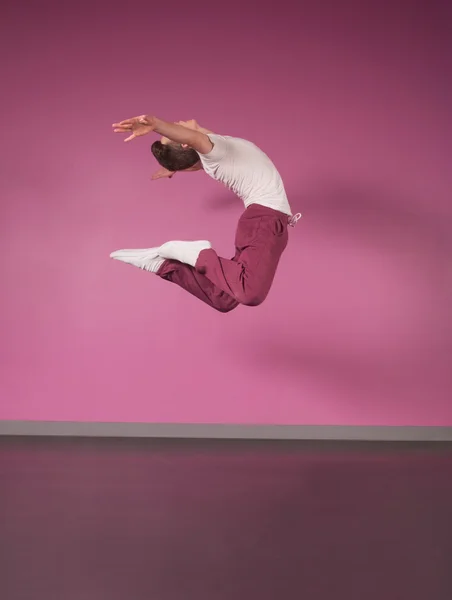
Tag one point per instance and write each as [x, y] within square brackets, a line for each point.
[354, 107]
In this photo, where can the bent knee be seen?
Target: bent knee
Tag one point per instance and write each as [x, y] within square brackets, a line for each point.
[226, 306]
[251, 299]
[226, 309]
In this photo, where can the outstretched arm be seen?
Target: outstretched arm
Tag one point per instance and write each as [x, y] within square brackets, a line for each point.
[138, 126]
[193, 124]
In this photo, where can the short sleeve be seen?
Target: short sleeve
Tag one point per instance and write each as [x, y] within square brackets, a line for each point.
[219, 150]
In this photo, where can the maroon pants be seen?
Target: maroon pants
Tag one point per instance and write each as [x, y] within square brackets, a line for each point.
[246, 279]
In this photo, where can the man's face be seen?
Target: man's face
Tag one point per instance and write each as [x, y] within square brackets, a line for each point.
[192, 124]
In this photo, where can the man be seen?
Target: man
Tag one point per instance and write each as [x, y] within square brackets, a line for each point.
[262, 229]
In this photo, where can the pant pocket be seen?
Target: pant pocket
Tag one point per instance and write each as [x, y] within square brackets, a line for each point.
[247, 232]
[277, 227]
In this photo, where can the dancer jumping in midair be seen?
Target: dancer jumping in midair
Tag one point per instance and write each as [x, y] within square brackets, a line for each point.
[261, 235]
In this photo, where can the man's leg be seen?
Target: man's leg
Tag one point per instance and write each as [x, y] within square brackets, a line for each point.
[197, 284]
[184, 275]
[260, 240]
[223, 284]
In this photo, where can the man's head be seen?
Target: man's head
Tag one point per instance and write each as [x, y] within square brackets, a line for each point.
[175, 157]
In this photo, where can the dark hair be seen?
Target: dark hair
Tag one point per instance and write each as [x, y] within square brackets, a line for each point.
[173, 157]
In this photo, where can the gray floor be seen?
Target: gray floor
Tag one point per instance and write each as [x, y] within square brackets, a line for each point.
[228, 431]
[117, 519]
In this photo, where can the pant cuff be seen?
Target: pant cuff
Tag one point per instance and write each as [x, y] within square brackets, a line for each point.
[166, 268]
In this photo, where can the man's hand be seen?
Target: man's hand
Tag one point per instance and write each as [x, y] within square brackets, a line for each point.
[161, 173]
[137, 126]
[180, 134]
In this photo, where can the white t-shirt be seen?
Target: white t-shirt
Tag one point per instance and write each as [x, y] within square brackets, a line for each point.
[247, 171]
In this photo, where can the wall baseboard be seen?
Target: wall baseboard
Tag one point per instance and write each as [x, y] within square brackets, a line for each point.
[226, 431]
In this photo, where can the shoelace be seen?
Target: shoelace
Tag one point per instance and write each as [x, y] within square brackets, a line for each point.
[294, 219]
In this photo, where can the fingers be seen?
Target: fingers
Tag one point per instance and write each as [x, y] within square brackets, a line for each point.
[126, 123]
[127, 129]
[129, 122]
[162, 173]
